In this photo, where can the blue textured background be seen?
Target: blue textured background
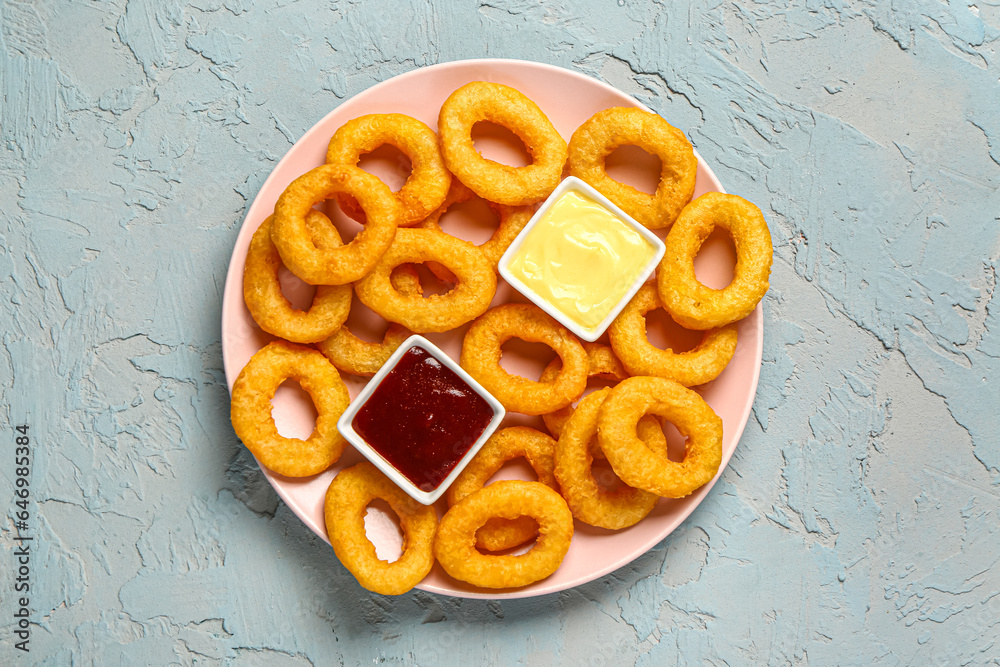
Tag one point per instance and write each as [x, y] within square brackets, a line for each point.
[858, 522]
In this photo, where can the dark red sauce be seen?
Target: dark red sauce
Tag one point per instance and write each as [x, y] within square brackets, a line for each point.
[422, 418]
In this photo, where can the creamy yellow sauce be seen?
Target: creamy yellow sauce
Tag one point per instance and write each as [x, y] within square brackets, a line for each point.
[581, 258]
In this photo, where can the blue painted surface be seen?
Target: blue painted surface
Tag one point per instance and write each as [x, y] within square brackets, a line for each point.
[858, 522]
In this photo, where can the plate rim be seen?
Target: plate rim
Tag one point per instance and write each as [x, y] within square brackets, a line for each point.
[698, 496]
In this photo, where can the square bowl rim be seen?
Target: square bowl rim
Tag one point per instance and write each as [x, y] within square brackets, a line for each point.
[346, 428]
[574, 183]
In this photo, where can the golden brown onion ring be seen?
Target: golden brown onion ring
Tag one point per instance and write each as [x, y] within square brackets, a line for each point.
[693, 304]
[590, 503]
[506, 445]
[605, 131]
[346, 263]
[251, 409]
[633, 462]
[495, 103]
[481, 358]
[347, 500]
[698, 366]
[471, 297]
[426, 186]
[269, 307]
[455, 542]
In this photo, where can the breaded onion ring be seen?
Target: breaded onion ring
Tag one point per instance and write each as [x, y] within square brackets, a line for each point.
[352, 355]
[347, 500]
[481, 358]
[512, 221]
[590, 503]
[698, 366]
[347, 263]
[605, 131]
[601, 363]
[505, 106]
[427, 184]
[688, 301]
[633, 462]
[269, 307]
[251, 409]
[506, 445]
[455, 542]
[477, 283]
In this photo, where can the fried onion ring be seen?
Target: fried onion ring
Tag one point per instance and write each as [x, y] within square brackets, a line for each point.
[633, 462]
[427, 185]
[347, 500]
[506, 445]
[455, 542]
[352, 355]
[477, 283]
[601, 363]
[605, 131]
[481, 358]
[698, 366]
[693, 304]
[512, 221]
[346, 263]
[509, 108]
[251, 409]
[575, 456]
[269, 307]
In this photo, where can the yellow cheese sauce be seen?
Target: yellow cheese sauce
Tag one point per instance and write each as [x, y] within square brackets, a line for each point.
[581, 258]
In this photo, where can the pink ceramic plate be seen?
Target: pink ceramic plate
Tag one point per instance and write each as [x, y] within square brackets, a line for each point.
[568, 99]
